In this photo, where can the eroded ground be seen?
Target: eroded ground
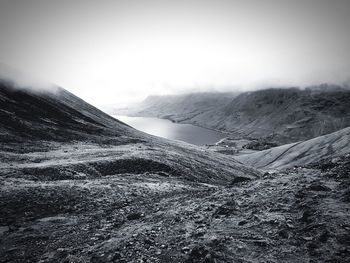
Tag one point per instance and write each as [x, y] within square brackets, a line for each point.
[301, 215]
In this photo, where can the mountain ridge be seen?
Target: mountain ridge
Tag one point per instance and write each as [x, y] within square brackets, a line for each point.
[79, 186]
[51, 120]
[302, 153]
[281, 115]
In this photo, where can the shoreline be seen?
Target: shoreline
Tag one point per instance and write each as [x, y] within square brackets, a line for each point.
[224, 133]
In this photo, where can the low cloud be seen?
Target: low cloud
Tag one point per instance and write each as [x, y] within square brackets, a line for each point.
[25, 81]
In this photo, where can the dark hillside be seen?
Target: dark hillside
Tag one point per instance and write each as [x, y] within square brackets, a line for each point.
[279, 115]
[289, 115]
[51, 115]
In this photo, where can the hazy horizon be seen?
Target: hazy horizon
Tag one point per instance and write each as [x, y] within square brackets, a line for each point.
[121, 51]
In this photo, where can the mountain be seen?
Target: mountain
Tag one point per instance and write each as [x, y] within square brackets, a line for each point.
[52, 114]
[301, 153]
[80, 186]
[289, 115]
[179, 108]
[41, 118]
[282, 115]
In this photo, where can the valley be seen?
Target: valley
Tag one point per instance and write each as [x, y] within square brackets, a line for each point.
[213, 131]
[174, 131]
[77, 185]
[277, 115]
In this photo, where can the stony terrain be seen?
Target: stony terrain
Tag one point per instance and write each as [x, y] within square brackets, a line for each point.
[300, 215]
[79, 186]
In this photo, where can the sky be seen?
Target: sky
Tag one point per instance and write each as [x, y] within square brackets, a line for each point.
[118, 52]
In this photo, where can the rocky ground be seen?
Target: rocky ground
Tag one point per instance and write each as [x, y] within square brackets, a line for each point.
[80, 186]
[299, 215]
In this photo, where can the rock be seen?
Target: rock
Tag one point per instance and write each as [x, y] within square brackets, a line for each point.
[185, 249]
[306, 216]
[226, 209]
[239, 179]
[198, 254]
[261, 243]
[134, 216]
[324, 236]
[242, 223]
[4, 229]
[318, 187]
[346, 196]
[308, 238]
[283, 233]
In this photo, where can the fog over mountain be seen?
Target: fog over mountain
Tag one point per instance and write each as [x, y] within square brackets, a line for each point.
[128, 50]
[194, 131]
[80, 185]
[281, 115]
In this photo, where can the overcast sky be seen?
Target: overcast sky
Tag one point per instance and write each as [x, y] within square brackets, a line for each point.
[119, 51]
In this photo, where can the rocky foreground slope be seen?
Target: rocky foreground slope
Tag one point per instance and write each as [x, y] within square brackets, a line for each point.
[79, 186]
[281, 115]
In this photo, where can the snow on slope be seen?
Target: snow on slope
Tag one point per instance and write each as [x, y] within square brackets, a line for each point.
[300, 153]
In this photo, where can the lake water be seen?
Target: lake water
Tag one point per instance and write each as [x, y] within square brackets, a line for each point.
[174, 131]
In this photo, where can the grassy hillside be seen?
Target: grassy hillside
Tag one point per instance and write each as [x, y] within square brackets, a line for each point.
[301, 153]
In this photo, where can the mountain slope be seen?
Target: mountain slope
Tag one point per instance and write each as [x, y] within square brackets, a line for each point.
[33, 121]
[179, 108]
[300, 153]
[79, 186]
[52, 114]
[289, 115]
[282, 115]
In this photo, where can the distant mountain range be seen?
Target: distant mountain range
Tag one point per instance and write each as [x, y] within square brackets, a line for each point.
[282, 115]
[179, 108]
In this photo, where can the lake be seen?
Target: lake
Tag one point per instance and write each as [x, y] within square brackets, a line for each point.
[174, 131]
